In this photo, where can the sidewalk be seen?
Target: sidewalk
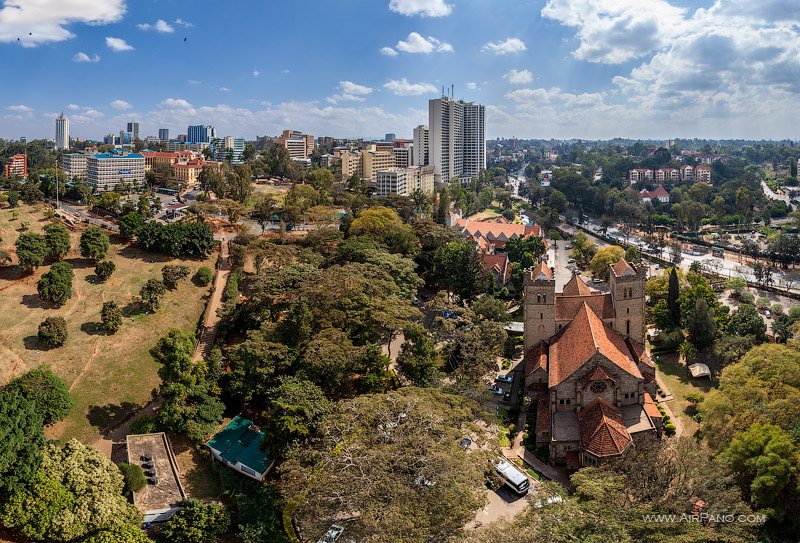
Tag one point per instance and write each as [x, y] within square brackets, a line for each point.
[211, 319]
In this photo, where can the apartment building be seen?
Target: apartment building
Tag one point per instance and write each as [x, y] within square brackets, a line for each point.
[703, 173]
[670, 175]
[227, 149]
[200, 133]
[456, 138]
[374, 161]
[298, 144]
[17, 165]
[405, 181]
[75, 165]
[404, 156]
[105, 171]
[421, 155]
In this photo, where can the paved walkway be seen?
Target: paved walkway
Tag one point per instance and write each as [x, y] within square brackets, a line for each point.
[518, 450]
[211, 320]
[663, 401]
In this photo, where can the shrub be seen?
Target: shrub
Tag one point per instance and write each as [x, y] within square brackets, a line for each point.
[747, 298]
[53, 331]
[151, 293]
[694, 398]
[777, 309]
[762, 303]
[56, 285]
[104, 269]
[203, 276]
[133, 476]
[669, 429]
[172, 274]
[146, 424]
[111, 316]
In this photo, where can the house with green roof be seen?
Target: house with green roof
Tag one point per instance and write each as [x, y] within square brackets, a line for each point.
[238, 446]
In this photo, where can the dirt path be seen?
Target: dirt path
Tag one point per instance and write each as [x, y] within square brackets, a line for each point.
[211, 320]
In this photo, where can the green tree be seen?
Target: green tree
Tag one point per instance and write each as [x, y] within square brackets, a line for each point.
[56, 285]
[21, 425]
[491, 309]
[700, 325]
[134, 478]
[196, 522]
[329, 361]
[321, 179]
[111, 317]
[417, 358]
[604, 259]
[57, 238]
[94, 243]
[126, 533]
[204, 275]
[673, 297]
[457, 268]
[172, 274]
[32, 249]
[46, 390]
[383, 225]
[294, 411]
[151, 293]
[104, 269]
[53, 331]
[130, 223]
[76, 492]
[764, 459]
[746, 321]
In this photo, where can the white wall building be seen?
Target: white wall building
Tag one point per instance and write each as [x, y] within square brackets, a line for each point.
[404, 181]
[75, 165]
[404, 156]
[457, 139]
[62, 132]
[106, 171]
[421, 152]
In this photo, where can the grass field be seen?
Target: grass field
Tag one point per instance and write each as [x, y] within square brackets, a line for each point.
[681, 384]
[109, 376]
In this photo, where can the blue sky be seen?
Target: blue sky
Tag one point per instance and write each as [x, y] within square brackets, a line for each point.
[544, 68]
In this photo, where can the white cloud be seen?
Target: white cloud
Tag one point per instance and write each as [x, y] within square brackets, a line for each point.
[256, 73]
[417, 43]
[510, 45]
[402, 87]
[388, 51]
[159, 26]
[73, 107]
[471, 85]
[285, 71]
[35, 22]
[19, 108]
[224, 89]
[350, 92]
[176, 103]
[83, 57]
[118, 44]
[518, 77]
[425, 8]
[184, 24]
[618, 31]
[120, 104]
[194, 82]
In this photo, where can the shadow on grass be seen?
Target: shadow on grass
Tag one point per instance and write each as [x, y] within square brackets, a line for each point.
[135, 253]
[668, 364]
[134, 309]
[80, 262]
[33, 301]
[12, 273]
[93, 329]
[33, 343]
[104, 417]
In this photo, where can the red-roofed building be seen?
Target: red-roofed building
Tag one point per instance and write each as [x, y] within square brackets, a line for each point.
[703, 173]
[585, 366]
[659, 194]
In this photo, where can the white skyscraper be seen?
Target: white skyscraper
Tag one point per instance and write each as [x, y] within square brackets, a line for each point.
[421, 156]
[457, 139]
[62, 132]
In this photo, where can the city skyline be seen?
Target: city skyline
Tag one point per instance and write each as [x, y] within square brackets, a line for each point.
[580, 68]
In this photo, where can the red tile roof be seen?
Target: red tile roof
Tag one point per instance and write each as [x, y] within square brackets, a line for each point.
[576, 287]
[650, 407]
[543, 414]
[542, 272]
[623, 268]
[568, 306]
[499, 264]
[602, 431]
[536, 359]
[580, 340]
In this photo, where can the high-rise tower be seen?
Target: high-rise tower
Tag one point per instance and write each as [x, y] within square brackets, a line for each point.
[457, 139]
[62, 132]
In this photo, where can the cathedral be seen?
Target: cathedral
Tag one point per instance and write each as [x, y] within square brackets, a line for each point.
[586, 368]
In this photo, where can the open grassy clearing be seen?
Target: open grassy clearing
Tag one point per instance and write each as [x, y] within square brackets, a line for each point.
[681, 384]
[109, 376]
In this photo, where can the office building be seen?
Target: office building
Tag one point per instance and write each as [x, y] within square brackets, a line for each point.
[389, 136]
[133, 128]
[227, 149]
[405, 181]
[75, 165]
[200, 133]
[106, 171]
[187, 174]
[125, 138]
[404, 156]
[110, 139]
[62, 132]
[456, 138]
[17, 165]
[298, 144]
[421, 156]
[163, 134]
[174, 146]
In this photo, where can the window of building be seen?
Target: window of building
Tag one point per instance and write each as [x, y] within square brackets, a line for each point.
[628, 327]
[541, 316]
[544, 298]
[538, 298]
[598, 387]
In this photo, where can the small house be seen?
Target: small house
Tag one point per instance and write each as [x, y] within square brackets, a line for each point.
[238, 446]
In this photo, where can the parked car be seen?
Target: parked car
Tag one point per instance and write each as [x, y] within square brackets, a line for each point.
[767, 314]
[571, 261]
[496, 390]
[597, 281]
[568, 246]
[504, 378]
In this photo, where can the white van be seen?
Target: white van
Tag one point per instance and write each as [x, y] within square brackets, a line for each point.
[512, 476]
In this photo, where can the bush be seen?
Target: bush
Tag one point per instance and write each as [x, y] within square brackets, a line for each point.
[747, 297]
[669, 429]
[762, 303]
[133, 476]
[56, 285]
[53, 331]
[111, 316]
[203, 276]
[777, 309]
[146, 424]
[104, 269]
[171, 275]
[47, 390]
[151, 293]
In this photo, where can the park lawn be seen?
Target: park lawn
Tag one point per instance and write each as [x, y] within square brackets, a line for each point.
[109, 376]
[279, 192]
[488, 213]
[676, 376]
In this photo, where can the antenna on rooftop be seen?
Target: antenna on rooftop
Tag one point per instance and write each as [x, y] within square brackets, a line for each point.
[452, 90]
